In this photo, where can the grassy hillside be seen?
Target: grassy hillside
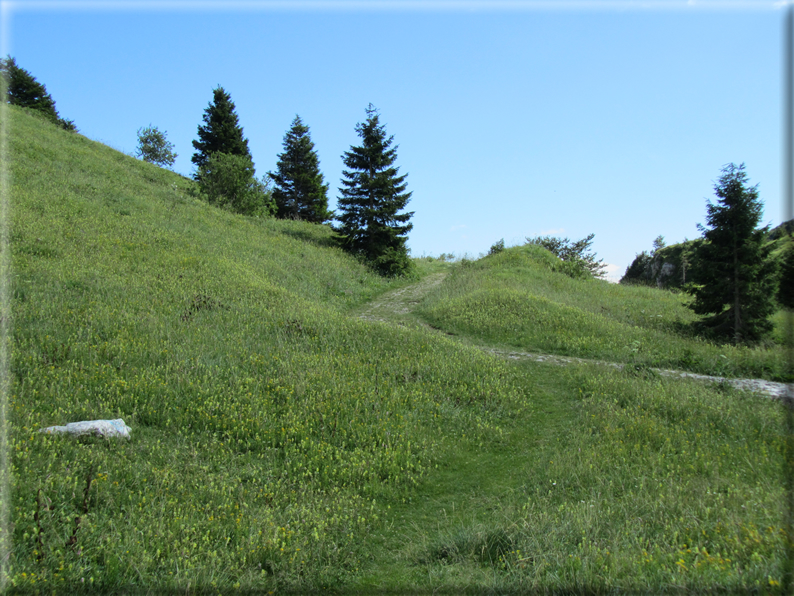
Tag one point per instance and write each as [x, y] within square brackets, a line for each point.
[265, 420]
[517, 298]
[280, 443]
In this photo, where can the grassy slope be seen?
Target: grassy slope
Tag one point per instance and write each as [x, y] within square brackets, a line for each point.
[278, 442]
[516, 299]
[265, 420]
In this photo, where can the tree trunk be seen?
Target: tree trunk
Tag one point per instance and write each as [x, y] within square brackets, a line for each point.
[737, 319]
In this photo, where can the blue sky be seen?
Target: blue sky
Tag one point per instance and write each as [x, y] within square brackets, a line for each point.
[513, 119]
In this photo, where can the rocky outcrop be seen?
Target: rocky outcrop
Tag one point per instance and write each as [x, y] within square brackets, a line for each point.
[665, 268]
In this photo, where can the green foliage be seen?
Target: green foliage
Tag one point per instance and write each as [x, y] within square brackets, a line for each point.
[639, 271]
[229, 181]
[667, 267]
[299, 190]
[373, 195]
[734, 275]
[497, 247]
[23, 90]
[785, 293]
[577, 252]
[221, 131]
[154, 148]
[658, 244]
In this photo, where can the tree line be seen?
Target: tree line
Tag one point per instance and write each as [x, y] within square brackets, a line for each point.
[735, 281]
[372, 223]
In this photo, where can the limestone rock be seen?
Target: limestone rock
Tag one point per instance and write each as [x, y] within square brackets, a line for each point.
[100, 428]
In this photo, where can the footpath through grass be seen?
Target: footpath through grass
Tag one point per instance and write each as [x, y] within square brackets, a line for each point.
[611, 481]
[282, 443]
[518, 298]
[268, 425]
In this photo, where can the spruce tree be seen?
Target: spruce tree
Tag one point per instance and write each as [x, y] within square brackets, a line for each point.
[734, 276]
[299, 190]
[785, 293]
[372, 197]
[23, 90]
[221, 131]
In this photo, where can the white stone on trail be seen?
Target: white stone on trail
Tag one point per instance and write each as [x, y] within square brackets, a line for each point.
[99, 428]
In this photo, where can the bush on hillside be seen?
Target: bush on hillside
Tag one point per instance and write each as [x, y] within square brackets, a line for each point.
[497, 247]
[154, 148]
[228, 181]
[576, 252]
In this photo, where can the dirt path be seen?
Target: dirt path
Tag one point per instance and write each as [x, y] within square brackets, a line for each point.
[398, 305]
[395, 305]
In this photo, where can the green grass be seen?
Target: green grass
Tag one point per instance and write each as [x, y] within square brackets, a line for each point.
[280, 443]
[613, 482]
[519, 298]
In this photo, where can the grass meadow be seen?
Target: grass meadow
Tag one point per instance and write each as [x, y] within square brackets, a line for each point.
[280, 444]
[518, 298]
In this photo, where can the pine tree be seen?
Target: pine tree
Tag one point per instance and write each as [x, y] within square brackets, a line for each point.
[22, 89]
[785, 294]
[372, 197]
[299, 191]
[221, 132]
[734, 276]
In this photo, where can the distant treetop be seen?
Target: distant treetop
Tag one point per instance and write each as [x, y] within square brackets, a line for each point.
[300, 192]
[23, 90]
[221, 131]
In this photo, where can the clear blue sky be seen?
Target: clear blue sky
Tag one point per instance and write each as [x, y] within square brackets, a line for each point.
[513, 119]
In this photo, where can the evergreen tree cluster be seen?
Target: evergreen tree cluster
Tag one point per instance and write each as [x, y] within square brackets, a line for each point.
[22, 89]
[373, 226]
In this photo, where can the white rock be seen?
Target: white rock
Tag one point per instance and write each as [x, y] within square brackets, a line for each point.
[100, 428]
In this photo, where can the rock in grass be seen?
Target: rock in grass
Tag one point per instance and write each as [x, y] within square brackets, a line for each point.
[100, 428]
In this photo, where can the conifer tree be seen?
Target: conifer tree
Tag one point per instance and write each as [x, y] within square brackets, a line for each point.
[221, 131]
[299, 190]
[785, 294]
[734, 276]
[372, 197]
[22, 89]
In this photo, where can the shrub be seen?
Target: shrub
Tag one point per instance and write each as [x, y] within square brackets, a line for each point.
[497, 247]
[228, 181]
[154, 148]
